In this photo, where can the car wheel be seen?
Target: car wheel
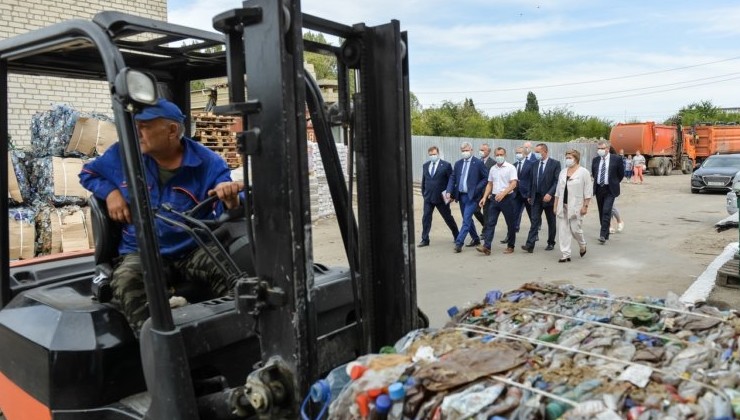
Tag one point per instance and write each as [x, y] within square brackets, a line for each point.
[694, 191]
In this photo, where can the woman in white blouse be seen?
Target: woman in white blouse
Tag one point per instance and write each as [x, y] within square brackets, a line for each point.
[573, 193]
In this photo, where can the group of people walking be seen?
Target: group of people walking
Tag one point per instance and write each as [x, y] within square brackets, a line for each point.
[634, 167]
[486, 187]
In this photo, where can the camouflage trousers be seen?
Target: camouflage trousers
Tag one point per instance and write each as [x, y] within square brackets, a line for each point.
[127, 282]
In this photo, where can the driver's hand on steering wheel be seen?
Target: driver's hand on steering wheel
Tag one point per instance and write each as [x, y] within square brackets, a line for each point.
[228, 192]
[118, 207]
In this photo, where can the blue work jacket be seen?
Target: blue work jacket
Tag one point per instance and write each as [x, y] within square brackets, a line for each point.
[201, 170]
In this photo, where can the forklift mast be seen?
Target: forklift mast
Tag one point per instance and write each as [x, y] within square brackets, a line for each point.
[264, 42]
[271, 91]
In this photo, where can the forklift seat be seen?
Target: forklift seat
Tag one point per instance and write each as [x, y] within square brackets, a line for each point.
[106, 232]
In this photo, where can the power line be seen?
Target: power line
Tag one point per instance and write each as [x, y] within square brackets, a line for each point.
[582, 82]
[618, 91]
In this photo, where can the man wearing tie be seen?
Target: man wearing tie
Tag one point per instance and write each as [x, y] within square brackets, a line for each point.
[608, 171]
[542, 190]
[523, 168]
[485, 155]
[435, 176]
[466, 186]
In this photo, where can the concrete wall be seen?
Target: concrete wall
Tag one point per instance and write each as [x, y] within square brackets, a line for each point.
[31, 94]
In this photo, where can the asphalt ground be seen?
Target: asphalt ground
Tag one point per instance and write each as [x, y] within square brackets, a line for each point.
[668, 240]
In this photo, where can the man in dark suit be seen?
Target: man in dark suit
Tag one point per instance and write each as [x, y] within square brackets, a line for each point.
[485, 155]
[434, 178]
[541, 196]
[523, 167]
[608, 171]
[466, 186]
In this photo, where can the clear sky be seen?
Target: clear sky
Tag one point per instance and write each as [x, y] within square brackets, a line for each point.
[617, 60]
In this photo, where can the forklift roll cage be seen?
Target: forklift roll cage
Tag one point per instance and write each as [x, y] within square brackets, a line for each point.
[263, 41]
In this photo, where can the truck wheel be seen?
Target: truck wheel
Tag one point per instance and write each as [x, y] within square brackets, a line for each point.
[661, 167]
[685, 166]
[654, 170]
[668, 167]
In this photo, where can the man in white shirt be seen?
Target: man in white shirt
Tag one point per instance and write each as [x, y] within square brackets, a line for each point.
[499, 197]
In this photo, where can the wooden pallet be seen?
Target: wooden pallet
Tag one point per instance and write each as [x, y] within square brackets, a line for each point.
[727, 275]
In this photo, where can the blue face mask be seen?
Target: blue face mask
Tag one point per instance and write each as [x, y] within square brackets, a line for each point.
[537, 156]
[433, 158]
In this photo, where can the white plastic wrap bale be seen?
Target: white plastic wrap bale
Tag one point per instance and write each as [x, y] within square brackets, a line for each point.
[63, 229]
[56, 180]
[22, 232]
[52, 129]
[321, 202]
[561, 352]
[19, 187]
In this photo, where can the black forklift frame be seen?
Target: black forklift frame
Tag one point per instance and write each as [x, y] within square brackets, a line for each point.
[264, 41]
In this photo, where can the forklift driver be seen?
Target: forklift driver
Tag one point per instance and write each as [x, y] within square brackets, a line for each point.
[179, 172]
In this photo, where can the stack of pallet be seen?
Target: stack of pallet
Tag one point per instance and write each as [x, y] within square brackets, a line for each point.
[216, 133]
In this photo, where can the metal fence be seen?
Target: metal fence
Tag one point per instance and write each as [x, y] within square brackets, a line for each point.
[449, 149]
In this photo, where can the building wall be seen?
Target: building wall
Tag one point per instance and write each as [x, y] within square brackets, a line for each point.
[31, 94]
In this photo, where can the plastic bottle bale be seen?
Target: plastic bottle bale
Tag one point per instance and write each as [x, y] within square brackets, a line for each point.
[51, 130]
[22, 232]
[56, 180]
[49, 230]
[19, 188]
[93, 134]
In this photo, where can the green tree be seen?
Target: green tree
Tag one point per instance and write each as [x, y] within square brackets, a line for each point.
[532, 105]
[702, 112]
[325, 66]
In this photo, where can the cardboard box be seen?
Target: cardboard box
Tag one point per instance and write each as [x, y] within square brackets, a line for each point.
[92, 136]
[66, 177]
[76, 232]
[14, 189]
[22, 239]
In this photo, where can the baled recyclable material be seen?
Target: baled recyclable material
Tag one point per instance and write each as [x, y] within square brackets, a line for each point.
[560, 352]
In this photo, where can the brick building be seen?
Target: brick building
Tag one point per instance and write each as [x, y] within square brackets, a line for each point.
[29, 94]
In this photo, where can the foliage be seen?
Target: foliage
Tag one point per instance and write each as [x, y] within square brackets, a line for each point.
[325, 66]
[532, 105]
[702, 112]
[464, 120]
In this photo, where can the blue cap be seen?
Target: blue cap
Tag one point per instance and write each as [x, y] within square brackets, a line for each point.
[383, 404]
[163, 109]
[396, 391]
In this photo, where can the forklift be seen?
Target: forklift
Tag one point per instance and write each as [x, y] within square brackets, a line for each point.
[66, 353]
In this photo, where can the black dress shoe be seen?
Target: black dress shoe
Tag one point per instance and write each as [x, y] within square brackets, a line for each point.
[473, 243]
[602, 240]
[458, 248]
[505, 241]
[528, 249]
[549, 248]
[562, 260]
[422, 243]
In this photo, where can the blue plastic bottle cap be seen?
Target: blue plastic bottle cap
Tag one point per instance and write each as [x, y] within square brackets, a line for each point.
[383, 404]
[410, 381]
[396, 391]
[320, 391]
[452, 311]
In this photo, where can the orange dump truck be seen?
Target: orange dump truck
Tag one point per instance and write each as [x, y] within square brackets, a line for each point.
[663, 146]
[713, 139]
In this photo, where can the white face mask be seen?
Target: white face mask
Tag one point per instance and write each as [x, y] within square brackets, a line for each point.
[481, 153]
[465, 155]
[433, 158]
[500, 160]
[519, 156]
[601, 152]
[569, 162]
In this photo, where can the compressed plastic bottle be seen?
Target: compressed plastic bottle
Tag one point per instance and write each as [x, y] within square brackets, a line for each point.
[397, 393]
[332, 386]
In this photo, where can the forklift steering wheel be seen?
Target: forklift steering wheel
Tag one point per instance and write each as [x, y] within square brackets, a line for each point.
[204, 205]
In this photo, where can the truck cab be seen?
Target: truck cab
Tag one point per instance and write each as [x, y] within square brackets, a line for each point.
[68, 355]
